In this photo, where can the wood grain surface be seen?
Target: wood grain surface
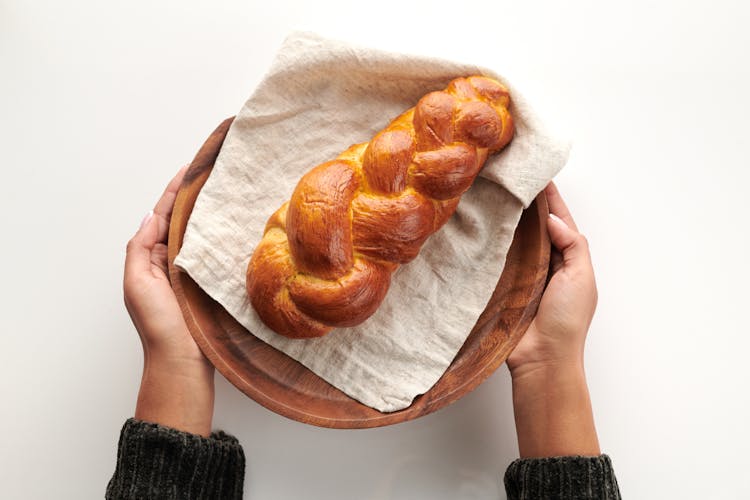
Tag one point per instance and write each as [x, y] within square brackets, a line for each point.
[284, 386]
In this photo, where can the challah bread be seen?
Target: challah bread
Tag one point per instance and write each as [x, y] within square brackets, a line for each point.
[327, 255]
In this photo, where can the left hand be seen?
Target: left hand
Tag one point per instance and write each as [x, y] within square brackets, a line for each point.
[551, 402]
[177, 386]
[557, 334]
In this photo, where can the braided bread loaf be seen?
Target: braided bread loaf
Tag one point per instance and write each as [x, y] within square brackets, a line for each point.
[327, 255]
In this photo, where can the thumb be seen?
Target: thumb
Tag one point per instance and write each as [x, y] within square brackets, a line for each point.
[570, 243]
[138, 253]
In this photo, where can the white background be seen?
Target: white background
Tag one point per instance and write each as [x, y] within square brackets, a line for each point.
[100, 103]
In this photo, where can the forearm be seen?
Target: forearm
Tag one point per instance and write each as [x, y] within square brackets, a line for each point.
[553, 412]
[174, 396]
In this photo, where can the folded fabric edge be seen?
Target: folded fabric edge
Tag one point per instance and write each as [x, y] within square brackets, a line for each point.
[554, 152]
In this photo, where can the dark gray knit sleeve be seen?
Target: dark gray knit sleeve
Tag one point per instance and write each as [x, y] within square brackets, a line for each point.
[561, 477]
[154, 461]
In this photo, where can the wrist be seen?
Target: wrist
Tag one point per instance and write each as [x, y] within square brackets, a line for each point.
[543, 373]
[552, 409]
[167, 361]
[543, 351]
[177, 393]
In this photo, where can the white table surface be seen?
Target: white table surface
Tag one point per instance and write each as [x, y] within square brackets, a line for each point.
[100, 103]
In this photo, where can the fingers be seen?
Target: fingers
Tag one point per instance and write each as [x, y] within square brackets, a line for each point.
[558, 207]
[569, 242]
[153, 231]
[563, 230]
[555, 262]
[138, 253]
[159, 258]
[163, 207]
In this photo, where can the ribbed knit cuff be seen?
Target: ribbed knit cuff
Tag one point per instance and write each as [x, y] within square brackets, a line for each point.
[154, 461]
[561, 477]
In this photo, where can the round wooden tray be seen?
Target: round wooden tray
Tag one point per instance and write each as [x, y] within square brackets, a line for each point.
[284, 386]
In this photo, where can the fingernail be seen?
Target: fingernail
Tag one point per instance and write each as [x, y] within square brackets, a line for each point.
[557, 219]
[146, 219]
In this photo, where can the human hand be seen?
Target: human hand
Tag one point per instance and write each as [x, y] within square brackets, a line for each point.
[177, 386]
[557, 333]
[551, 401]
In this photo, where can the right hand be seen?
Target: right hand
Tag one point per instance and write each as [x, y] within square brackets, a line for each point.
[557, 333]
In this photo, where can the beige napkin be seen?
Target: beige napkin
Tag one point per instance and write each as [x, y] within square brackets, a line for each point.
[319, 97]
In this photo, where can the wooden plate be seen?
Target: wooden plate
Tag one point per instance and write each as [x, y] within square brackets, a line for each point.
[284, 386]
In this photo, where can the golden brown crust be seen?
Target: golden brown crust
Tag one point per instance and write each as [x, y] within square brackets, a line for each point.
[318, 220]
[391, 228]
[327, 255]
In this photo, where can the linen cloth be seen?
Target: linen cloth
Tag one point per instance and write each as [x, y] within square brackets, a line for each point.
[319, 97]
